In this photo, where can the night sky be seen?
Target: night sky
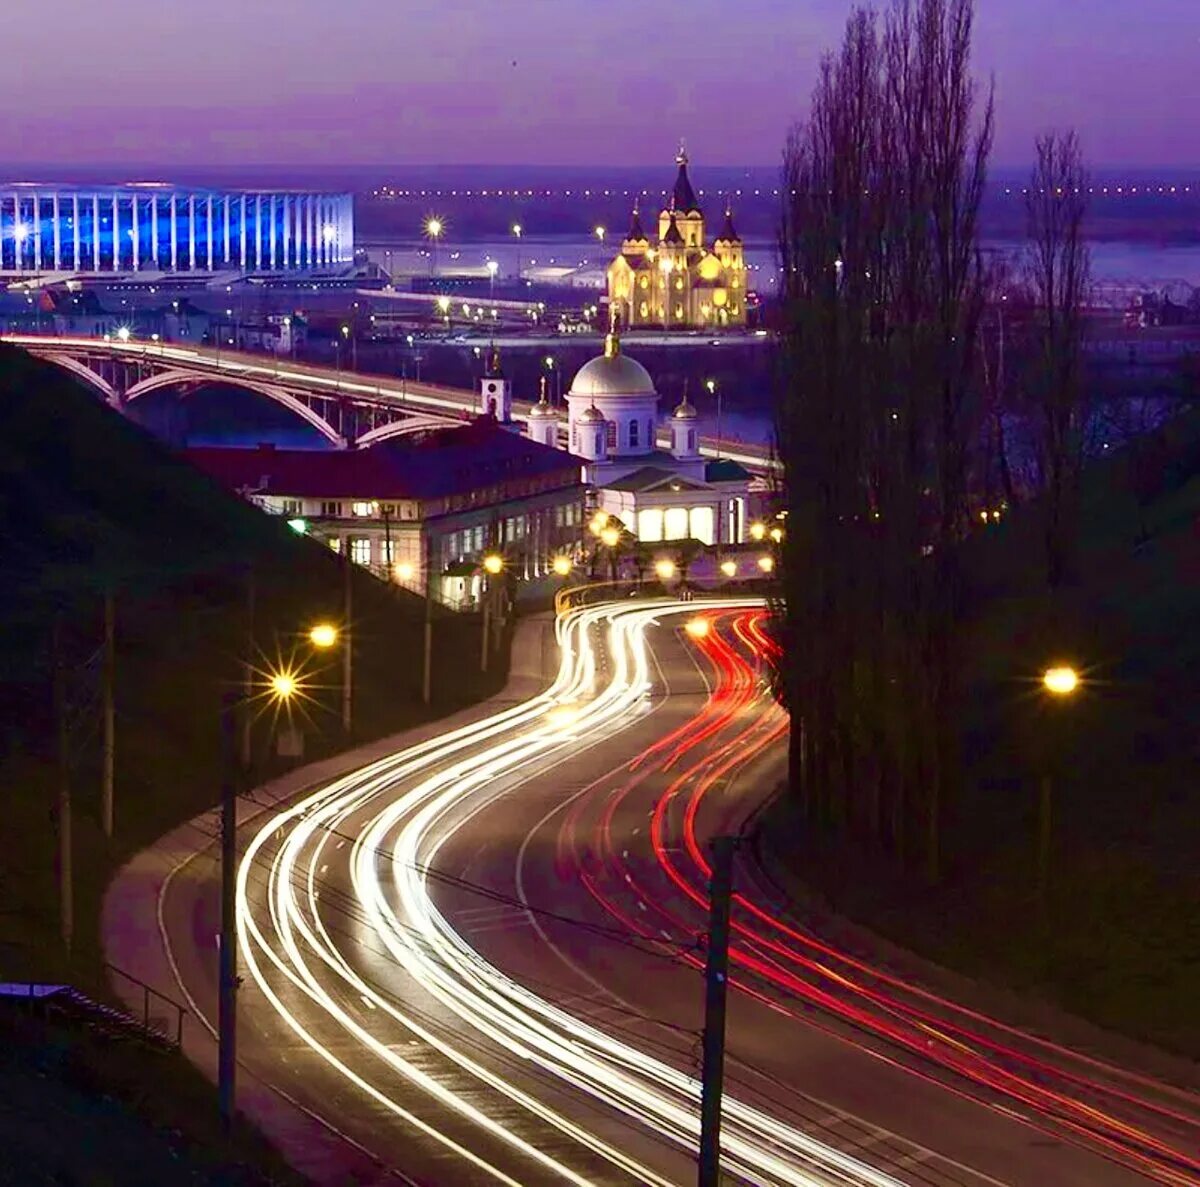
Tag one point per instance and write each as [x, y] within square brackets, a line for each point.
[554, 82]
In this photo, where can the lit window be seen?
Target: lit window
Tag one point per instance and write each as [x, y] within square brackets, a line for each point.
[360, 551]
[702, 524]
[363, 510]
[336, 544]
[675, 523]
[610, 434]
[650, 525]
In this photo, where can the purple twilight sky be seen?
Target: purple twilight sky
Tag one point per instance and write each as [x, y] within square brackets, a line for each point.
[548, 82]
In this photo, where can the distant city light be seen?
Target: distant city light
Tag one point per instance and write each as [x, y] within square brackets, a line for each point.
[493, 267]
[516, 230]
[434, 227]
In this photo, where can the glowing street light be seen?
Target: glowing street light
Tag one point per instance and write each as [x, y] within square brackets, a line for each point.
[493, 564]
[283, 686]
[493, 267]
[433, 228]
[516, 230]
[758, 531]
[610, 537]
[766, 564]
[777, 534]
[697, 627]
[123, 333]
[729, 568]
[664, 568]
[21, 232]
[405, 570]
[711, 384]
[598, 523]
[561, 566]
[1061, 681]
[600, 232]
[324, 635]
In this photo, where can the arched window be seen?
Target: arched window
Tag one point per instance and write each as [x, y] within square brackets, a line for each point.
[611, 433]
[633, 434]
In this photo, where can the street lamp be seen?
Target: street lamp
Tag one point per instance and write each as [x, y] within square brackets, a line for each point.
[443, 304]
[600, 232]
[766, 564]
[561, 566]
[664, 568]
[1061, 682]
[323, 636]
[714, 390]
[405, 571]
[493, 267]
[493, 566]
[433, 228]
[516, 230]
[729, 568]
[758, 530]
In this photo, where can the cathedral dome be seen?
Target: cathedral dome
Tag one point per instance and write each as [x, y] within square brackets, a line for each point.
[612, 375]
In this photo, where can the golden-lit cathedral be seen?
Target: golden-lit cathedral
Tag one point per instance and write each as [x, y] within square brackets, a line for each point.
[677, 282]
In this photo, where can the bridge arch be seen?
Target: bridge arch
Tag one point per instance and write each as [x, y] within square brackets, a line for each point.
[81, 371]
[177, 377]
[402, 428]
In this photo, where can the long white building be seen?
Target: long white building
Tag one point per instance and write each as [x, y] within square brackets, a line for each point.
[154, 227]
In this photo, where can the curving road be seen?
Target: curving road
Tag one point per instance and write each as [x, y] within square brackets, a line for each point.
[477, 957]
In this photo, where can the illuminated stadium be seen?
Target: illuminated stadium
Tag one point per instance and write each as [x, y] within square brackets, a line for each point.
[154, 227]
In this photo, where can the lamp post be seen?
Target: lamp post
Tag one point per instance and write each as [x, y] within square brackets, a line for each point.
[493, 566]
[599, 232]
[1061, 683]
[433, 228]
[281, 687]
[517, 230]
[610, 537]
[714, 390]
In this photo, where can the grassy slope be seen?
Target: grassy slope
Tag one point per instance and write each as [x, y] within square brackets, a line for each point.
[87, 499]
[1123, 938]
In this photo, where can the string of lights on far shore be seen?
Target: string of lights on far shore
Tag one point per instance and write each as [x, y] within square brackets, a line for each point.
[391, 193]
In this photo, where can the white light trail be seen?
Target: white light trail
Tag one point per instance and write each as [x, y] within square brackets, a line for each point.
[404, 808]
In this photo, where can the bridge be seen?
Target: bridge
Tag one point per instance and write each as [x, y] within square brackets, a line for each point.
[348, 408]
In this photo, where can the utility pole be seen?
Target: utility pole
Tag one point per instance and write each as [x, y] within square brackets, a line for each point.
[108, 709]
[427, 669]
[716, 985]
[485, 599]
[347, 638]
[62, 808]
[248, 670]
[227, 974]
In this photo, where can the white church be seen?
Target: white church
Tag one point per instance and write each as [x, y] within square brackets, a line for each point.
[613, 427]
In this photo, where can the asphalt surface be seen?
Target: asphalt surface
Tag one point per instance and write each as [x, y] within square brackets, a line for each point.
[479, 960]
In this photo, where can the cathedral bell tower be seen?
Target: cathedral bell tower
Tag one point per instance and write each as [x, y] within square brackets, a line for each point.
[495, 393]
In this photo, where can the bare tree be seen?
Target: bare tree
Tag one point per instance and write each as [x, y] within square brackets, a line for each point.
[884, 290]
[1059, 274]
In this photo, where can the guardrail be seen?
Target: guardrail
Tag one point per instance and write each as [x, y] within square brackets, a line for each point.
[150, 1024]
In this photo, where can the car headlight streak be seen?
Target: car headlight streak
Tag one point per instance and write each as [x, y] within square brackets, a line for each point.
[418, 798]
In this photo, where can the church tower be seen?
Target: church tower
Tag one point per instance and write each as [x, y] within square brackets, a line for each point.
[495, 394]
[542, 425]
[689, 218]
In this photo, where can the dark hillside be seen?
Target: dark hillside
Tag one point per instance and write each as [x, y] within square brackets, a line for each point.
[90, 502]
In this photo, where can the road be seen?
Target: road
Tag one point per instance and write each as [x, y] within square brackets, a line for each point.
[478, 958]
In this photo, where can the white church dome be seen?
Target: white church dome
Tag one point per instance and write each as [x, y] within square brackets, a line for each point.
[612, 375]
